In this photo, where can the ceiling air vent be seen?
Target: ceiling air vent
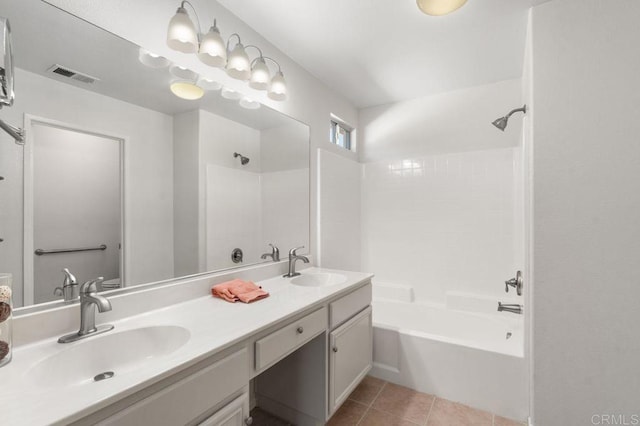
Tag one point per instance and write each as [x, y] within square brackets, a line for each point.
[72, 74]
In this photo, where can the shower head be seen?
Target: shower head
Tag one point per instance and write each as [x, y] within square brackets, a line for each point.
[243, 160]
[501, 123]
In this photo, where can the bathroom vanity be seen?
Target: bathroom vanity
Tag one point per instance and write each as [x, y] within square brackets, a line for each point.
[203, 361]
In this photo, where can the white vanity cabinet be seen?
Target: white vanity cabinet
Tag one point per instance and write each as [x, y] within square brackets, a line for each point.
[235, 413]
[350, 344]
[186, 400]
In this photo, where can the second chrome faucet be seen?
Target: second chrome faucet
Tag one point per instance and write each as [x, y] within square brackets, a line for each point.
[89, 300]
[293, 257]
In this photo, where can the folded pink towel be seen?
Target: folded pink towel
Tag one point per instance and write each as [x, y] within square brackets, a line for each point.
[234, 290]
[248, 292]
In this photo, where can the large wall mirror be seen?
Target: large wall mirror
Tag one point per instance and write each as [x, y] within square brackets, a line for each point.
[120, 178]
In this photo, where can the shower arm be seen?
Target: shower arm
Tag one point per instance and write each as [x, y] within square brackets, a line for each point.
[16, 133]
[513, 111]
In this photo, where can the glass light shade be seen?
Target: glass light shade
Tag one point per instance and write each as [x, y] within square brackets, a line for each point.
[260, 76]
[212, 49]
[186, 90]
[183, 73]
[439, 7]
[208, 84]
[249, 103]
[182, 35]
[238, 64]
[152, 60]
[278, 88]
[230, 94]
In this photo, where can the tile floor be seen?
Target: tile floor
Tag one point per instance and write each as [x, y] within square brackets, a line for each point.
[378, 403]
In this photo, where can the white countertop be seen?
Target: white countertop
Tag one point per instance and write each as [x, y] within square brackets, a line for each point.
[213, 323]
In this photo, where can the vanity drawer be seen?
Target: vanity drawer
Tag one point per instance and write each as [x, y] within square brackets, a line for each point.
[349, 305]
[185, 400]
[280, 343]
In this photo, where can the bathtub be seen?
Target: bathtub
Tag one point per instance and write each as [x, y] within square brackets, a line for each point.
[473, 358]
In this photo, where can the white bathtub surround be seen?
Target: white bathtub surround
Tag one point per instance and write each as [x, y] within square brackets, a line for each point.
[212, 325]
[444, 223]
[460, 356]
[339, 211]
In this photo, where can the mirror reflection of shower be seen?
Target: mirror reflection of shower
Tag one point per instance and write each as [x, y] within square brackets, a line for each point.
[243, 160]
[501, 123]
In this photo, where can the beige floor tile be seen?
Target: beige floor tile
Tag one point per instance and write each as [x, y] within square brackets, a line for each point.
[404, 403]
[448, 413]
[367, 390]
[378, 418]
[349, 414]
[501, 421]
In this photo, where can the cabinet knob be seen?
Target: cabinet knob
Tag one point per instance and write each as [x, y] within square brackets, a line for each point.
[248, 420]
[335, 349]
[300, 330]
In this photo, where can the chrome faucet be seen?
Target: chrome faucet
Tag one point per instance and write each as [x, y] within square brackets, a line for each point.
[89, 300]
[69, 287]
[516, 309]
[274, 255]
[293, 257]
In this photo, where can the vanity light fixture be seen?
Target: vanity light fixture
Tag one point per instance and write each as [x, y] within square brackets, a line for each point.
[187, 90]
[440, 7]
[230, 94]
[249, 103]
[183, 73]
[152, 60]
[278, 87]
[208, 84]
[181, 34]
[211, 50]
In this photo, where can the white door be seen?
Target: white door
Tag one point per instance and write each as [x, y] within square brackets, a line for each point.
[350, 357]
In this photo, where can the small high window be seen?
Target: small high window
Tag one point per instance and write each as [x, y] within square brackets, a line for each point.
[341, 135]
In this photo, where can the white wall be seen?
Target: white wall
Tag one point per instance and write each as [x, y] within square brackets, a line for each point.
[148, 172]
[443, 223]
[456, 121]
[144, 22]
[586, 234]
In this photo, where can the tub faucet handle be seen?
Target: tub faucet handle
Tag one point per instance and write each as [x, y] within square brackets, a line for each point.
[515, 283]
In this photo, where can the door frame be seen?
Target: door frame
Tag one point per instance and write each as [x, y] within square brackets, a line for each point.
[28, 193]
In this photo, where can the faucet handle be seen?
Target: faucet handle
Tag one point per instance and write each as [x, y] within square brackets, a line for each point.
[275, 252]
[91, 286]
[292, 252]
[69, 278]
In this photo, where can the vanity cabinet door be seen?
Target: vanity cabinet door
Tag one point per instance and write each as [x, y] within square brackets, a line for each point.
[350, 357]
[235, 413]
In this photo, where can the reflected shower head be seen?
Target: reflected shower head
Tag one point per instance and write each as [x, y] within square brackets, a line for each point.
[501, 123]
[243, 160]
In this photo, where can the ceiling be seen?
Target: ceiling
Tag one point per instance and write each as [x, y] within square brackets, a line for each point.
[381, 51]
[44, 35]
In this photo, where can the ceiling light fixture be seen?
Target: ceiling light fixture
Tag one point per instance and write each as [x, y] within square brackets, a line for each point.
[187, 90]
[212, 50]
[440, 7]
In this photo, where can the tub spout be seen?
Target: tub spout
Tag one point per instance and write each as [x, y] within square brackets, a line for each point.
[513, 308]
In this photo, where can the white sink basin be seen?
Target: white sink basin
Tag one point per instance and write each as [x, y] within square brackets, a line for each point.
[319, 279]
[116, 352]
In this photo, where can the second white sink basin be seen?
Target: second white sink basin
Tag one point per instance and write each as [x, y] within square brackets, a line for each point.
[113, 352]
[319, 279]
